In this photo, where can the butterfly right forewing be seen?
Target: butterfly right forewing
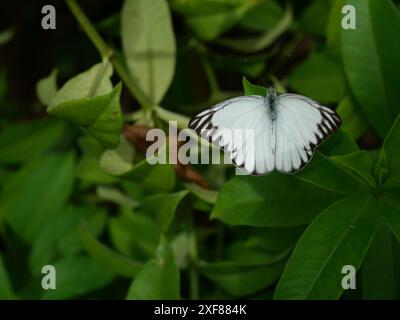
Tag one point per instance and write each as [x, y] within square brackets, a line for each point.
[301, 125]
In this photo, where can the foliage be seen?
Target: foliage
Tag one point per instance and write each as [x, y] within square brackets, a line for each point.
[76, 190]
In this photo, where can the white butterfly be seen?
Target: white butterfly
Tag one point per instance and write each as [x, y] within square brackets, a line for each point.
[286, 129]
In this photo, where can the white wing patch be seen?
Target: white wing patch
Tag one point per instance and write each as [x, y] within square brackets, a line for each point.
[285, 143]
[228, 125]
[301, 125]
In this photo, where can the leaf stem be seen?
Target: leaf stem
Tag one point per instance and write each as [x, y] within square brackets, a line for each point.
[106, 52]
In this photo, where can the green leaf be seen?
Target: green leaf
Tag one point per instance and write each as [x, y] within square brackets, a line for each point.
[91, 83]
[271, 239]
[391, 213]
[202, 7]
[20, 143]
[210, 26]
[371, 61]
[325, 173]
[6, 289]
[391, 149]
[101, 115]
[59, 231]
[353, 122]
[314, 18]
[252, 89]
[360, 162]
[36, 193]
[275, 200]
[159, 278]
[88, 169]
[46, 88]
[320, 77]
[339, 236]
[339, 143]
[380, 267]
[96, 218]
[149, 45]
[258, 43]
[334, 25]
[263, 16]
[163, 206]
[76, 276]
[110, 259]
[134, 234]
[335, 177]
[241, 278]
[155, 178]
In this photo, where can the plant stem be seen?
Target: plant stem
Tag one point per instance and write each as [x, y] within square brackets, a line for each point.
[193, 255]
[87, 26]
[106, 52]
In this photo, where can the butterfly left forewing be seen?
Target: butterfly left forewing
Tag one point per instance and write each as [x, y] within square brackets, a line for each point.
[241, 127]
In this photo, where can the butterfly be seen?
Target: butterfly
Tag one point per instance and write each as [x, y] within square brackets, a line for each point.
[285, 128]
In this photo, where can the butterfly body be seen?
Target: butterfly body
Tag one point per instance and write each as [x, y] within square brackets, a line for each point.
[285, 130]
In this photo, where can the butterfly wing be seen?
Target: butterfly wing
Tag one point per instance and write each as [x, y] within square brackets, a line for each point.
[242, 127]
[301, 125]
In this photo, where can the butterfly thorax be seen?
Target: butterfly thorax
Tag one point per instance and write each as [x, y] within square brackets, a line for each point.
[272, 100]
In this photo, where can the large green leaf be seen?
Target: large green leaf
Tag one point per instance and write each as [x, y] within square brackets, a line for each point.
[275, 200]
[371, 61]
[320, 77]
[36, 193]
[100, 115]
[380, 267]
[334, 25]
[149, 45]
[339, 236]
[159, 278]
